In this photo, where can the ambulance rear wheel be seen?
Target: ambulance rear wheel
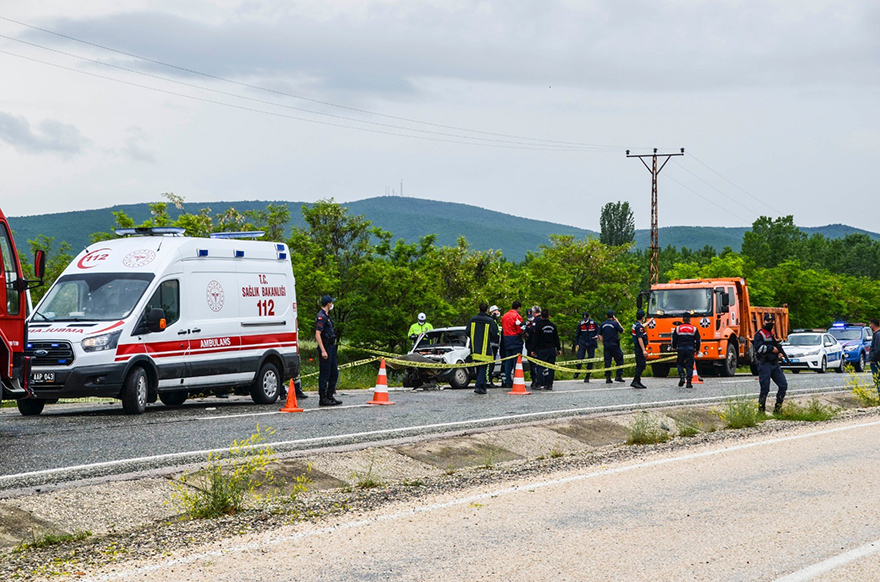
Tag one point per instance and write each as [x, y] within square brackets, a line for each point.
[134, 392]
[173, 398]
[30, 406]
[267, 386]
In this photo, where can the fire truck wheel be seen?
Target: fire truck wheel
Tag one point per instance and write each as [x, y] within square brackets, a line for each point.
[173, 398]
[660, 370]
[728, 368]
[30, 406]
[267, 386]
[134, 392]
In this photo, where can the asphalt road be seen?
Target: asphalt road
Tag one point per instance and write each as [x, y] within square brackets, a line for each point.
[82, 440]
[785, 507]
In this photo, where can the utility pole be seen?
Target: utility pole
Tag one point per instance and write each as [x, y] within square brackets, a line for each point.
[655, 244]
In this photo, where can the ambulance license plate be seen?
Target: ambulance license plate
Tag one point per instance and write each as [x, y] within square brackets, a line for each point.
[43, 378]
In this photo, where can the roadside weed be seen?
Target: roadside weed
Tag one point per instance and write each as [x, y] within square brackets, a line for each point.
[812, 411]
[368, 480]
[51, 539]
[646, 429]
[687, 427]
[739, 412]
[866, 394]
[556, 453]
[225, 484]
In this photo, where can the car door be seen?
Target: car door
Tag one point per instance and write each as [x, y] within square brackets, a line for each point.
[170, 347]
[833, 350]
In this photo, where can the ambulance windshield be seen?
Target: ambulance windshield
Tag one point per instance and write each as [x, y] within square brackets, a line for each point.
[680, 301]
[93, 297]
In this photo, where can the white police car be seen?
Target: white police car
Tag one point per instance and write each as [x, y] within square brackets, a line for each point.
[812, 350]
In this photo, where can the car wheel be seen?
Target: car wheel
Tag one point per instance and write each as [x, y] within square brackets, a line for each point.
[267, 386]
[30, 406]
[795, 371]
[841, 366]
[660, 370]
[823, 366]
[175, 398]
[134, 392]
[729, 367]
[860, 363]
[460, 377]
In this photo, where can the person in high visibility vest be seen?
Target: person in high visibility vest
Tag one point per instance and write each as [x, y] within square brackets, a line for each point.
[484, 332]
[419, 327]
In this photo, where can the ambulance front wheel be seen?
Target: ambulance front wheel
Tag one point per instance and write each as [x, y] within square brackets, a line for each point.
[134, 391]
[267, 386]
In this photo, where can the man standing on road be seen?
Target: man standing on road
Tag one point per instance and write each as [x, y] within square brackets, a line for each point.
[769, 350]
[640, 339]
[610, 331]
[512, 343]
[686, 340]
[495, 314]
[587, 340]
[328, 372]
[419, 327]
[874, 354]
[483, 332]
[529, 339]
[546, 347]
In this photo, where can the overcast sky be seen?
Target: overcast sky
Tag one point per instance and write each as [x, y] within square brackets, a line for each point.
[525, 107]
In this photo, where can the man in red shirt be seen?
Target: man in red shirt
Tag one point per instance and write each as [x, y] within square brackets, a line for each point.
[511, 340]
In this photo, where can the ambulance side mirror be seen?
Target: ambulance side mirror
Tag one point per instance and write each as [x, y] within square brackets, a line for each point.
[156, 320]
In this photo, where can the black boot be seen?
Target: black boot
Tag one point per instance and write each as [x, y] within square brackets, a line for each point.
[300, 395]
[778, 407]
[576, 374]
[680, 381]
[762, 406]
[587, 378]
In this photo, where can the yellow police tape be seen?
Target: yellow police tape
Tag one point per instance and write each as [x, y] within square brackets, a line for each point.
[396, 360]
[559, 368]
[343, 367]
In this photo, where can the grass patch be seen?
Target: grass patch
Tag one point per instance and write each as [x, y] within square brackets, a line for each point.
[556, 453]
[225, 484]
[368, 479]
[413, 483]
[812, 411]
[739, 412]
[687, 427]
[866, 394]
[51, 539]
[646, 429]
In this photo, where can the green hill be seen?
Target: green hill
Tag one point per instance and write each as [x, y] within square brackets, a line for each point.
[409, 219]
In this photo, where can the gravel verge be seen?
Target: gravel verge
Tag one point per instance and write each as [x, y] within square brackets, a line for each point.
[164, 538]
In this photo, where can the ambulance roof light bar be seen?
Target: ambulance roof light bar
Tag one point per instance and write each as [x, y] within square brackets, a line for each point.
[245, 234]
[151, 231]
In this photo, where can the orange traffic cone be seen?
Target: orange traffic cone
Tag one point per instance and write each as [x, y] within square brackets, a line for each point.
[380, 393]
[291, 405]
[519, 379]
[695, 378]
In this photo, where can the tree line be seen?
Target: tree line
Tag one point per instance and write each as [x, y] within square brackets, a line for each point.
[381, 284]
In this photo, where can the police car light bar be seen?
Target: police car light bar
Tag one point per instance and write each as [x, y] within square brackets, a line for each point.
[246, 234]
[151, 231]
[838, 324]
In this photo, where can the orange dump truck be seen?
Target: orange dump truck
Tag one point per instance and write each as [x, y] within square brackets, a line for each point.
[720, 310]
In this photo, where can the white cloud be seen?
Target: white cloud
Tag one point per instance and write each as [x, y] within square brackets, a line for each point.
[49, 136]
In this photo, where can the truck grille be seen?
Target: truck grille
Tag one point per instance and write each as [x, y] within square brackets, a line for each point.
[665, 336]
[50, 353]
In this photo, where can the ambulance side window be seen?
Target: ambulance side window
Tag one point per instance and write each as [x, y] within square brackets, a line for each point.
[167, 298]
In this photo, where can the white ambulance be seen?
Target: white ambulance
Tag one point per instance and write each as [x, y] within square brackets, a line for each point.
[157, 315]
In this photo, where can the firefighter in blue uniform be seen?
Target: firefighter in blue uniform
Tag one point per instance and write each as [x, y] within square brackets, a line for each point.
[587, 340]
[484, 333]
[686, 340]
[328, 372]
[640, 343]
[768, 350]
[610, 331]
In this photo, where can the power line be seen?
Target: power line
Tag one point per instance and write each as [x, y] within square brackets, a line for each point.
[764, 202]
[294, 96]
[293, 117]
[276, 104]
[732, 199]
[709, 200]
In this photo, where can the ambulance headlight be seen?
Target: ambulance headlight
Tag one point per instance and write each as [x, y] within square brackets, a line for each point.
[106, 341]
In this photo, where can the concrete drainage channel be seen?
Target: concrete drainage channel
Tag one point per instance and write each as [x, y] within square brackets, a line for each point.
[128, 502]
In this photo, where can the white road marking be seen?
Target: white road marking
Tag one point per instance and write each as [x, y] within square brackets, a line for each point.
[248, 414]
[387, 431]
[833, 563]
[485, 496]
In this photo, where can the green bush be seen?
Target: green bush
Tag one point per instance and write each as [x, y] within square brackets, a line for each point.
[812, 411]
[646, 429]
[739, 412]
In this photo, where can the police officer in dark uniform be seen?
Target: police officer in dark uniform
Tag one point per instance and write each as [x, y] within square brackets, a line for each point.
[325, 335]
[768, 351]
[483, 333]
[640, 343]
[533, 317]
[546, 347]
[587, 340]
[685, 339]
[610, 331]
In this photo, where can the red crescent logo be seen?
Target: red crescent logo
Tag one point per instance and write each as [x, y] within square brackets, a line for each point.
[92, 258]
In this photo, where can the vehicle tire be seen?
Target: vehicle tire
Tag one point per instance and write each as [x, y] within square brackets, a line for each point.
[660, 370]
[841, 366]
[135, 390]
[175, 398]
[728, 367]
[795, 371]
[267, 385]
[30, 406]
[861, 363]
[823, 366]
[460, 377]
